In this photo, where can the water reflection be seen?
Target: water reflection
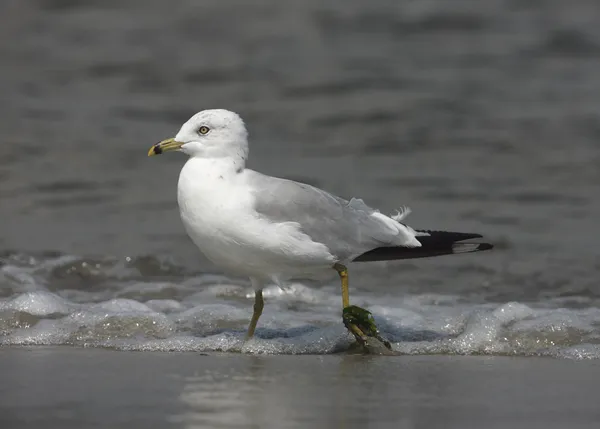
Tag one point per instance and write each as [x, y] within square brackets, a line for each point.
[309, 391]
[399, 392]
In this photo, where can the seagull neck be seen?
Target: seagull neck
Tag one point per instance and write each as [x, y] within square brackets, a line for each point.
[225, 166]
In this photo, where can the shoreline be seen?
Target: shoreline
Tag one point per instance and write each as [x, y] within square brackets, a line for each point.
[66, 387]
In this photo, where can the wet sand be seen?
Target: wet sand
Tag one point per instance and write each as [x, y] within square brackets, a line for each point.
[60, 387]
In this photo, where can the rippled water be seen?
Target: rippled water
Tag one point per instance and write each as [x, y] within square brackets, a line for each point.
[480, 116]
[118, 304]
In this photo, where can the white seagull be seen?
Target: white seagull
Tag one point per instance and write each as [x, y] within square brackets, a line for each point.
[273, 230]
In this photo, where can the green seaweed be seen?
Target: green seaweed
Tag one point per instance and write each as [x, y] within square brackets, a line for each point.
[361, 324]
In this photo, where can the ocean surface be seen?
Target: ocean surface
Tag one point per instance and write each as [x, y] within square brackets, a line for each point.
[481, 116]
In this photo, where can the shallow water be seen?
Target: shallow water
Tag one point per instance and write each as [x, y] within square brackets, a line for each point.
[481, 117]
[74, 388]
[144, 304]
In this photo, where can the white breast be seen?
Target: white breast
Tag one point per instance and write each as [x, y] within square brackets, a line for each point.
[216, 208]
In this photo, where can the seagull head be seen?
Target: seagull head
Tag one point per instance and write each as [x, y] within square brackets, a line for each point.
[215, 133]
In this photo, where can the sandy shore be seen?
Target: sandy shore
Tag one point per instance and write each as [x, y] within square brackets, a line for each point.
[64, 387]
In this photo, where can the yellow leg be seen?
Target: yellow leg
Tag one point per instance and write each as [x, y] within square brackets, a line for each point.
[359, 321]
[259, 303]
[343, 273]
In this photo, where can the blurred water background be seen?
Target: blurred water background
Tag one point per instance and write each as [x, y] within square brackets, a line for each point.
[482, 116]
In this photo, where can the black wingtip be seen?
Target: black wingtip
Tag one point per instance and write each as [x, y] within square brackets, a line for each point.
[485, 246]
[436, 243]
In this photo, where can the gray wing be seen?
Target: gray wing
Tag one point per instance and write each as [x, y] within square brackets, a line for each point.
[347, 228]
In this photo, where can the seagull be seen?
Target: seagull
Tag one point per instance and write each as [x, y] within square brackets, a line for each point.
[273, 230]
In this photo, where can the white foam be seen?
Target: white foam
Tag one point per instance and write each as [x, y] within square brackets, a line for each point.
[18, 279]
[164, 305]
[211, 313]
[46, 332]
[148, 290]
[581, 351]
[122, 306]
[38, 304]
[317, 341]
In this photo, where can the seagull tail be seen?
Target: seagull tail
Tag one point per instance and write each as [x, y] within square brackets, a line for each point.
[433, 243]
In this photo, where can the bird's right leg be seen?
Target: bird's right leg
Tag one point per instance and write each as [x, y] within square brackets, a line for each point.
[357, 320]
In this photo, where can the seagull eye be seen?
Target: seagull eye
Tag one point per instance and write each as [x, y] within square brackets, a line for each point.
[203, 130]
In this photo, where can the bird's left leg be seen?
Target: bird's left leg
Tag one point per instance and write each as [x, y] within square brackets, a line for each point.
[259, 304]
[357, 320]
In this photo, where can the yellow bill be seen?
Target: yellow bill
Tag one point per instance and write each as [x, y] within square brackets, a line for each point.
[164, 146]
